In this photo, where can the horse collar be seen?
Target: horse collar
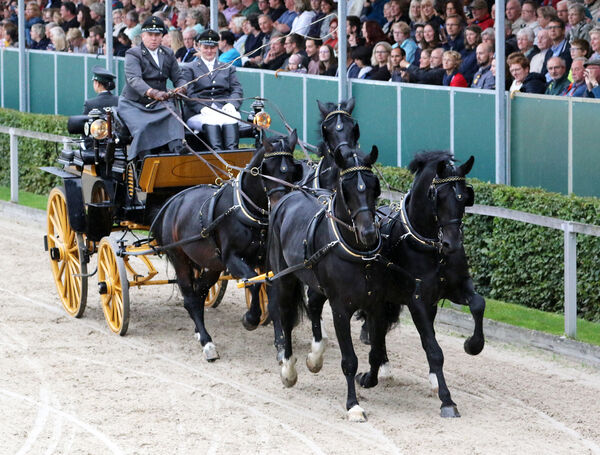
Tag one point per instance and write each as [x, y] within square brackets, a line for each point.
[238, 199]
[410, 230]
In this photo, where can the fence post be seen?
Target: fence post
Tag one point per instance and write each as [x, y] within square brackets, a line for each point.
[570, 280]
[14, 167]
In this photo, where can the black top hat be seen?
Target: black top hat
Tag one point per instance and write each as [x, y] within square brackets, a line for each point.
[153, 25]
[105, 77]
[208, 37]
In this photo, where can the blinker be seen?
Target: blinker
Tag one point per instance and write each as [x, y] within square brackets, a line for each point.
[361, 184]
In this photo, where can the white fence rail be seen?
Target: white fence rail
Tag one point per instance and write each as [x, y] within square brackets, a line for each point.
[569, 228]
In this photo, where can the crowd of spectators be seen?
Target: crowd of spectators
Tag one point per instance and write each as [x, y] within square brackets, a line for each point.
[551, 47]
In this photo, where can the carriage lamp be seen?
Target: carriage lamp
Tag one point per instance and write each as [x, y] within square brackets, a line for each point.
[262, 119]
[99, 129]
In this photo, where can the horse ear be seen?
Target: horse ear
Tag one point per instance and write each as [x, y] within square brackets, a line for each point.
[371, 158]
[466, 167]
[323, 108]
[350, 105]
[292, 139]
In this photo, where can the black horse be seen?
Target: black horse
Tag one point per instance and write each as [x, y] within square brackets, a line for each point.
[232, 221]
[424, 236]
[331, 243]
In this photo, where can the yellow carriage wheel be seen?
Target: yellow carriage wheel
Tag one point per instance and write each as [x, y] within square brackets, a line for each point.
[216, 293]
[263, 300]
[113, 286]
[67, 255]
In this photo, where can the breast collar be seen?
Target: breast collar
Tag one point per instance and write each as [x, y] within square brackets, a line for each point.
[410, 230]
[238, 199]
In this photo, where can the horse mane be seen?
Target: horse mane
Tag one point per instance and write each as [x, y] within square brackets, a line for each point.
[422, 159]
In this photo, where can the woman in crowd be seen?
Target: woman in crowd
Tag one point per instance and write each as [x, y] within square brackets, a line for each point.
[414, 13]
[595, 43]
[429, 16]
[233, 7]
[362, 58]
[38, 37]
[451, 62]
[331, 39]
[84, 19]
[418, 36]
[373, 33]
[327, 7]
[431, 38]
[379, 62]
[254, 36]
[59, 40]
[76, 41]
[302, 22]
[176, 39]
[236, 27]
[524, 80]
[469, 67]
[397, 55]
[118, 23]
[455, 8]
[195, 20]
[125, 44]
[327, 61]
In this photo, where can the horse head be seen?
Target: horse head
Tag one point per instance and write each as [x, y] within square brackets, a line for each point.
[358, 189]
[275, 160]
[439, 196]
[338, 128]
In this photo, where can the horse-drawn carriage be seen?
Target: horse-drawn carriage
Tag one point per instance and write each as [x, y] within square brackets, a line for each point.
[104, 192]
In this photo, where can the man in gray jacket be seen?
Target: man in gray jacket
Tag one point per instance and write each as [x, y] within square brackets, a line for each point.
[217, 85]
[142, 104]
[483, 77]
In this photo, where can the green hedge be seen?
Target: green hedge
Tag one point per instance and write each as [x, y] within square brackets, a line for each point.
[32, 153]
[510, 260]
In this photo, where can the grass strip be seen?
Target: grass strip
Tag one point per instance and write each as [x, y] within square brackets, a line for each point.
[27, 199]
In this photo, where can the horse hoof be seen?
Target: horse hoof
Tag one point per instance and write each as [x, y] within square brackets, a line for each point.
[365, 380]
[364, 336]
[385, 371]
[314, 359]
[433, 381]
[357, 414]
[449, 411]
[210, 352]
[248, 325]
[473, 346]
[288, 374]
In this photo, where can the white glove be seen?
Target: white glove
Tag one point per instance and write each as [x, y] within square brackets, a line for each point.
[229, 109]
[206, 110]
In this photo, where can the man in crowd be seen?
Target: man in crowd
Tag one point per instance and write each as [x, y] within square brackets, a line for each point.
[68, 12]
[513, 14]
[133, 27]
[484, 79]
[250, 7]
[529, 16]
[97, 37]
[560, 45]
[187, 53]
[455, 39]
[38, 38]
[481, 16]
[577, 88]
[562, 11]
[277, 9]
[276, 56]
[312, 52]
[284, 23]
[557, 70]
[104, 82]
[294, 44]
[592, 78]
[434, 75]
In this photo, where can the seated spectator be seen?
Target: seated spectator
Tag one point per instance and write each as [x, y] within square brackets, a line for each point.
[255, 37]
[276, 55]
[68, 13]
[432, 74]
[187, 52]
[301, 23]
[481, 15]
[593, 6]
[513, 14]
[429, 15]
[484, 79]
[379, 62]
[353, 26]
[523, 80]
[560, 45]
[97, 11]
[118, 23]
[284, 23]
[236, 27]
[195, 20]
[263, 7]
[175, 38]
[562, 12]
[469, 67]
[277, 9]
[123, 44]
[59, 40]
[397, 55]
[327, 61]
[331, 39]
[228, 52]
[578, 87]
[557, 70]
[76, 42]
[249, 7]
[529, 16]
[352, 68]
[294, 44]
[525, 39]
[401, 34]
[312, 52]
[372, 33]
[592, 78]
[580, 28]
[595, 43]
[132, 23]
[431, 38]
[388, 18]
[544, 14]
[295, 64]
[488, 36]
[96, 40]
[544, 43]
[33, 16]
[38, 38]
[455, 8]
[233, 8]
[455, 39]
[321, 29]
[451, 62]
[362, 57]
[579, 48]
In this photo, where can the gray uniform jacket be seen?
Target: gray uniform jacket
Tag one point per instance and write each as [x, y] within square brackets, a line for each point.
[221, 86]
[150, 126]
[104, 99]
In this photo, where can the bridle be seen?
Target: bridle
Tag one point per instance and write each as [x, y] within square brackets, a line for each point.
[339, 126]
[283, 184]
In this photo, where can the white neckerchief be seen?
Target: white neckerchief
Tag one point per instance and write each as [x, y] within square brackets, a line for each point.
[209, 64]
[154, 55]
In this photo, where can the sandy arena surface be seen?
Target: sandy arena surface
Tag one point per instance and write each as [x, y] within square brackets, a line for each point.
[70, 386]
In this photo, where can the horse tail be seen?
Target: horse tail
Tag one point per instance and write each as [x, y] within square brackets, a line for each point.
[391, 315]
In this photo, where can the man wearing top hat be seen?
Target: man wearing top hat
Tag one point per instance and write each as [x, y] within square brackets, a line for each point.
[142, 102]
[104, 82]
[217, 83]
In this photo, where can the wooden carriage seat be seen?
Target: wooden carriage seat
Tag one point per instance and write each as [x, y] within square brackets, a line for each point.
[171, 170]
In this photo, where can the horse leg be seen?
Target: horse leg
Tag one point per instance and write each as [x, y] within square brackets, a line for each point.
[286, 292]
[238, 268]
[275, 315]
[314, 359]
[341, 320]
[377, 354]
[423, 320]
[474, 344]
